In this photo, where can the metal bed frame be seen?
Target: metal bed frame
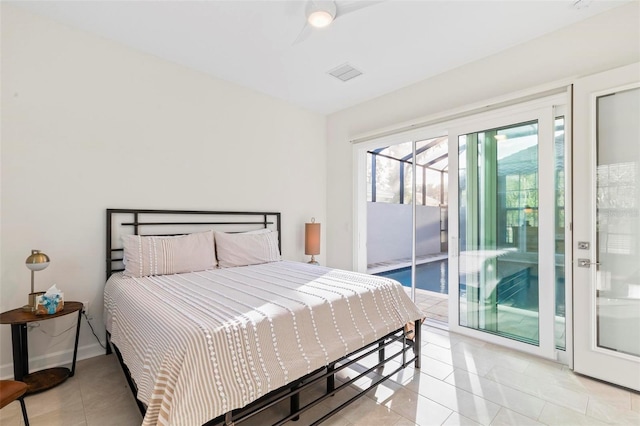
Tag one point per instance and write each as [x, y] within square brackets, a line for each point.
[162, 224]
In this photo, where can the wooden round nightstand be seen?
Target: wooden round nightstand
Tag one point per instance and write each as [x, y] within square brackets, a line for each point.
[43, 379]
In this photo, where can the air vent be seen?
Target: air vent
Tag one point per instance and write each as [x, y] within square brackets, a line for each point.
[345, 72]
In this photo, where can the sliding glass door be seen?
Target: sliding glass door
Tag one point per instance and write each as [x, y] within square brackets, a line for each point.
[407, 216]
[507, 266]
[475, 222]
[498, 220]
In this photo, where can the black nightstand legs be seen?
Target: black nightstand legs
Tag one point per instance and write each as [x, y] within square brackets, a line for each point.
[75, 347]
[20, 351]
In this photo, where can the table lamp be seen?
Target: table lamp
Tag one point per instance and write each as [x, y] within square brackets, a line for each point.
[312, 240]
[37, 261]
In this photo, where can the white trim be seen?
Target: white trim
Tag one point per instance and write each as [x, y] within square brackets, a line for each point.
[359, 214]
[566, 356]
[505, 116]
[503, 341]
[568, 229]
[454, 234]
[593, 188]
[546, 232]
[615, 354]
[414, 179]
[408, 127]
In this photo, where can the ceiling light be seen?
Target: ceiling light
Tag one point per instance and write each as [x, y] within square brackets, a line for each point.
[320, 13]
[320, 19]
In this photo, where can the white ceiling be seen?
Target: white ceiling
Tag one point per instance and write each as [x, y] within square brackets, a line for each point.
[394, 42]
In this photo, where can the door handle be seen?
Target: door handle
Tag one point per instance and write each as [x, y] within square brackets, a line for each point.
[586, 263]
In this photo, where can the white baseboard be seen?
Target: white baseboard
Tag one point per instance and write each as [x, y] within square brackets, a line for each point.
[56, 359]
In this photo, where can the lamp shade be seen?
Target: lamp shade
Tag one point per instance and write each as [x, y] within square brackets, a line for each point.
[37, 261]
[312, 238]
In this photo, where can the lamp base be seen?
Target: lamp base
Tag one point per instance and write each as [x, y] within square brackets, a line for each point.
[313, 261]
[32, 300]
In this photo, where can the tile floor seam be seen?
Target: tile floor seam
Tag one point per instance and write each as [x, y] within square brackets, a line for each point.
[542, 411]
[498, 385]
[509, 386]
[467, 393]
[448, 417]
[535, 419]
[84, 411]
[435, 402]
[577, 412]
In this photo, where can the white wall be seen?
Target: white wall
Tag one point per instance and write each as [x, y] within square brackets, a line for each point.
[389, 229]
[88, 124]
[606, 41]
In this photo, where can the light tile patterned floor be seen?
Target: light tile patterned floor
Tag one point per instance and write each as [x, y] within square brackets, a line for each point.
[462, 381]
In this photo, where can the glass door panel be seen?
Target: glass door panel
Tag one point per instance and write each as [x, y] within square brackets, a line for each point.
[606, 226]
[559, 219]
[407, 219]
[431, 161]
[618, 222]
[498, 231]
[390, 213]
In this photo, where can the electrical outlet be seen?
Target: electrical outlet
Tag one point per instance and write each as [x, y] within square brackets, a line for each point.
[86, 308]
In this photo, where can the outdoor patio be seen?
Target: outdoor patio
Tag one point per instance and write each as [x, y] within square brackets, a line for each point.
[433, 305]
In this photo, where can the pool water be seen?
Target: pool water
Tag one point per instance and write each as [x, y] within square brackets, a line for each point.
[432, 276]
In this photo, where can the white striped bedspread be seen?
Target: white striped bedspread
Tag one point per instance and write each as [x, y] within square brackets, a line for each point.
[203, 343]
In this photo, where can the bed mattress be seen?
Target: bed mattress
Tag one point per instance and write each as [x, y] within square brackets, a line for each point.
[202, 343]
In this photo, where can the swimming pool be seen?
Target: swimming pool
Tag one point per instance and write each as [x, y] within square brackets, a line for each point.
[432, 276]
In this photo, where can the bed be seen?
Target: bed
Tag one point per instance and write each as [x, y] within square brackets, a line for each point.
[218, 343]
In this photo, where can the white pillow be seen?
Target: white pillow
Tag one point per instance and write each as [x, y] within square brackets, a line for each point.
[257, 231]
[246, 248]
[152, 255]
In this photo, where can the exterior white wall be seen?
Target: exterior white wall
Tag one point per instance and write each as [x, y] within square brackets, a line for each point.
[603, 42]
[88, 124]
[389, 231]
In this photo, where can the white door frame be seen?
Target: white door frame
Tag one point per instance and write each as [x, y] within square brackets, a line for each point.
[589, 359]
[541, 110]
[440, 128]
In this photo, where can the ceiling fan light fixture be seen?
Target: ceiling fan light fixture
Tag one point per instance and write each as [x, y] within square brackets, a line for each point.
[321, 13]
[320, 19]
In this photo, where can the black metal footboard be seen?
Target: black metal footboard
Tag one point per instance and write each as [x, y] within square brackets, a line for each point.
[386, 349]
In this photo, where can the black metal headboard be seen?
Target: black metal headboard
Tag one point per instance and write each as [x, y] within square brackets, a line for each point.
[175, 222]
